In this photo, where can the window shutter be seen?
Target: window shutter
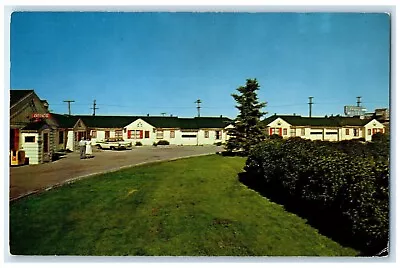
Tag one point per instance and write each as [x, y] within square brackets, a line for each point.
[16, 139]
[129, 134]
[141, 134]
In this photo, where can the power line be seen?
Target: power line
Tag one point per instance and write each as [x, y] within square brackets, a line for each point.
[310, 106]
[94, 107]
[358, 101]
[69, 105]
[198, 101]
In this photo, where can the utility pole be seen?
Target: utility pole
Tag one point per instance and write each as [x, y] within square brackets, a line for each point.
[94, 108]
[358, 101]
[69, 105]
[198, 107]
[310, 104]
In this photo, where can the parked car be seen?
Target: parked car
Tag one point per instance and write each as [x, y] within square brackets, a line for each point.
[114, 144]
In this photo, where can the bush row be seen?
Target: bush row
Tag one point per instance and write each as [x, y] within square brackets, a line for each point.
[345, 181]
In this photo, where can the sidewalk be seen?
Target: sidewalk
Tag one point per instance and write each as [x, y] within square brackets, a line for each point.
[25, 180]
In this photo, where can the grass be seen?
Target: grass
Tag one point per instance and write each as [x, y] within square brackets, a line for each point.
[189, 207]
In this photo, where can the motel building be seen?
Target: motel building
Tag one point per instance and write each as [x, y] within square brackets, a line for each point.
[32, 131]
[144, 129]
[333, 128]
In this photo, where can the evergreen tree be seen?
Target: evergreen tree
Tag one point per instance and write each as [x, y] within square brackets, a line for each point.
[247, 130]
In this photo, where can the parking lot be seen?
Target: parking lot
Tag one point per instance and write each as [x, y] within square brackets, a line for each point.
[25, 180]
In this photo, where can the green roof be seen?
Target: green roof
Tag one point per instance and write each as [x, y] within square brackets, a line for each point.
[162, 121]
[332, 121]
[99, 121]
[64, 121]
[17, 95]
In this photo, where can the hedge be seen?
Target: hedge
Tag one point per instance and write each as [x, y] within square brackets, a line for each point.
[347, 181]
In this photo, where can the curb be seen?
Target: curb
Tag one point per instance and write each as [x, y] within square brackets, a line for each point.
[72, 180]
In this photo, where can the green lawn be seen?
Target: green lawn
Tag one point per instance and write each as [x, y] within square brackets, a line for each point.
[189, 207]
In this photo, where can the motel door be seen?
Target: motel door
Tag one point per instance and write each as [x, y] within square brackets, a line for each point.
[46, 147]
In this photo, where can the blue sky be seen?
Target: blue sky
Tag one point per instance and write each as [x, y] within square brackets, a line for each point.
[139, 63]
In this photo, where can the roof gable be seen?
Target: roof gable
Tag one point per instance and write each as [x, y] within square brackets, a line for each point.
[18, 95]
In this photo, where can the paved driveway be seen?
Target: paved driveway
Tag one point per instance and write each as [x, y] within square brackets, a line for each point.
[26, 180]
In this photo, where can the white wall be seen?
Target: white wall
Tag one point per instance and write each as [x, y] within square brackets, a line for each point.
[32, 149]
[279, 123]
[70, 140]
[371, 126]
[139, 124]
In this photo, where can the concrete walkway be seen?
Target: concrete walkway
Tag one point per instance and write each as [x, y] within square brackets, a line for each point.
[26, 180]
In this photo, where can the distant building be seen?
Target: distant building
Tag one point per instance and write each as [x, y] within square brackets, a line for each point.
[351, 111]
[334, 128]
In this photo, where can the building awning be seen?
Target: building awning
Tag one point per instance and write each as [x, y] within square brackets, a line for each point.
[35, 126]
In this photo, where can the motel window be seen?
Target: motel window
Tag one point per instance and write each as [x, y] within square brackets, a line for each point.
[303, 132]
[160, 134]
[356, 132]
[369, 131]
[285, 131]
[218, 135]
[347, 131]
[137, 134]
[293, 132]
[107, 134]
[316, 132]
[60, 137]
[206, 134]
[172, 134]
[275, 131]
[94, 134]
[189, 135]
[118, 133]
[30, 139]
[147, 134]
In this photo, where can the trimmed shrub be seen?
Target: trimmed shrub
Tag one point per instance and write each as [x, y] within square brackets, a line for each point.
[275, 137]
[138, 143]
[163, 142]
[218, 143]
[347, 181]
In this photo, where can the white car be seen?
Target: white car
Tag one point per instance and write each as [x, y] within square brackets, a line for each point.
[114, 144]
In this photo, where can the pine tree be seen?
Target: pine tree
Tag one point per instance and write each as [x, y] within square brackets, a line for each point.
[247, 130]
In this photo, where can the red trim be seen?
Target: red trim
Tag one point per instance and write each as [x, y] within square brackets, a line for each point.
[270, 131]
[280, 131]
[129, 134]
[141, 134]
[16, 139]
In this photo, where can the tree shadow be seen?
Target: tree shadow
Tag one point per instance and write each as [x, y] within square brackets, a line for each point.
[331, 224]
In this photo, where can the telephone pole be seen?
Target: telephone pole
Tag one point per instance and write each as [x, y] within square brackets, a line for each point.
[94, 108]
[69, 105]
[310, 104]
[198, 107]
[358, 101]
